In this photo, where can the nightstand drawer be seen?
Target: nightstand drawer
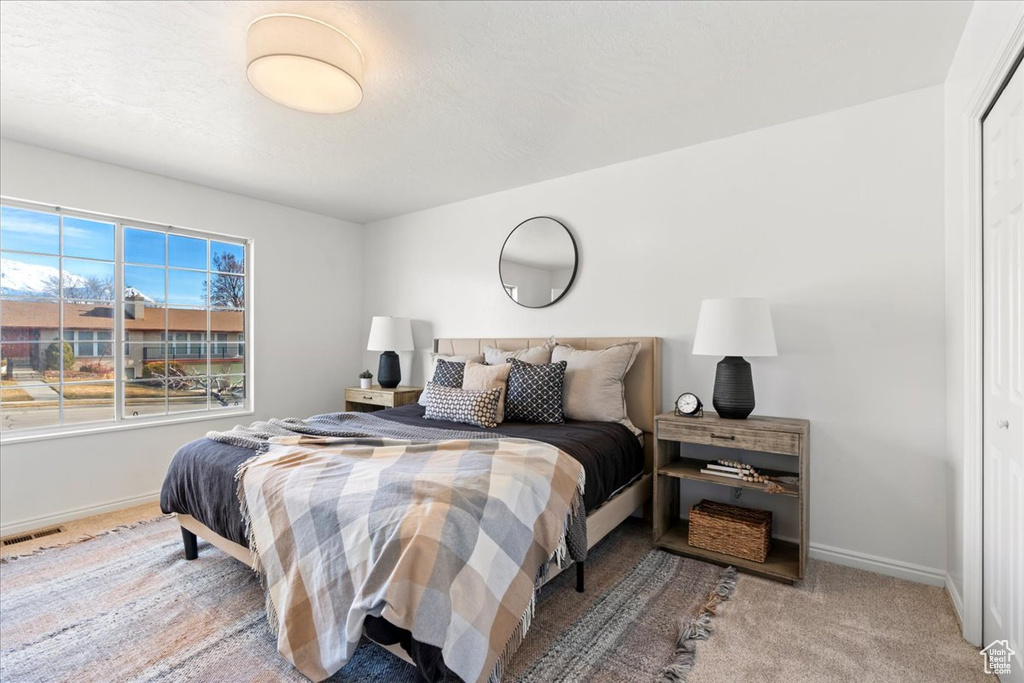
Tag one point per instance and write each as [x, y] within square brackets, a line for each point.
[728, 436]
[377, 398]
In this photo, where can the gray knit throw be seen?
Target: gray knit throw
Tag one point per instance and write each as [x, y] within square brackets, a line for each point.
[337, 425]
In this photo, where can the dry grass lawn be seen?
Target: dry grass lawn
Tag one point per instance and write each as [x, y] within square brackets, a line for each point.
[97, 391]
[12, 393]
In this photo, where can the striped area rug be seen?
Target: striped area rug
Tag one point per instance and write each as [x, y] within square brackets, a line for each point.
[126, 606]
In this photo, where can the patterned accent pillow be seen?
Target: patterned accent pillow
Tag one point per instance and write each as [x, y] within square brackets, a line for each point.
[432, 367]
[449, 373]
[478, 408]
[535, 392]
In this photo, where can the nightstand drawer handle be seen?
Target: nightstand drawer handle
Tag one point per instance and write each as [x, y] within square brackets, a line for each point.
[719, 436]
[367, 396]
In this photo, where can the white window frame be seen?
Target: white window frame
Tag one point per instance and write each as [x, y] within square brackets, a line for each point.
[119, 341]
[76, 341]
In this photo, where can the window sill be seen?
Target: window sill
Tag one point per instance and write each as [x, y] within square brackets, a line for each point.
[86, 430]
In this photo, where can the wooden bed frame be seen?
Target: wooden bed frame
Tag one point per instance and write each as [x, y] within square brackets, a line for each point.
[643, 402]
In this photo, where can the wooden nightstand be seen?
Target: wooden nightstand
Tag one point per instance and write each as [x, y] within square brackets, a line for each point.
[379, 398]
[790, 439]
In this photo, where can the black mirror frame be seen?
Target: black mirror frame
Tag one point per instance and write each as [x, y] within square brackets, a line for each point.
[575, 262]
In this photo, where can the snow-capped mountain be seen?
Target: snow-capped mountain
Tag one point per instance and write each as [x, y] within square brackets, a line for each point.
[24, 279]
[18, 278]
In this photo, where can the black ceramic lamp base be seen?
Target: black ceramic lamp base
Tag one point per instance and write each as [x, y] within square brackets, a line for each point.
[734, 389]
[389, 372]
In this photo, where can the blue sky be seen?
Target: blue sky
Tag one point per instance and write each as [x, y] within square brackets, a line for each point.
[146, 253]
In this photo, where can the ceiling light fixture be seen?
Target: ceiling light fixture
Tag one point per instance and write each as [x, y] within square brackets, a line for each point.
[304, 64]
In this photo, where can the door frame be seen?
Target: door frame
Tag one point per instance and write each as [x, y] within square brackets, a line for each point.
[984, 97]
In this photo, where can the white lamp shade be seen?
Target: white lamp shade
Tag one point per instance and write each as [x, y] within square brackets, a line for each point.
[390, 334]
[734, 327]
[304, 64]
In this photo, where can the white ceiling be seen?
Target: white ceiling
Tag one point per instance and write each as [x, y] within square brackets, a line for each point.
[461, 98]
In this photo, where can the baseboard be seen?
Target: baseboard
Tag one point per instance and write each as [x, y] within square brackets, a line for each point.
[954, 597]
[24, 525]
[880, 565]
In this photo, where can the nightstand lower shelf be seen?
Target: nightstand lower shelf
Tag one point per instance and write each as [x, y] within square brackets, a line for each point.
[783, 562]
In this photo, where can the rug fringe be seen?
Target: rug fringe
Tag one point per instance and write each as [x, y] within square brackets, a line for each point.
[697, 628]
[87, 537]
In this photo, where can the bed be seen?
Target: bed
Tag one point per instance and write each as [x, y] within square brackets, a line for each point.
[201, 486]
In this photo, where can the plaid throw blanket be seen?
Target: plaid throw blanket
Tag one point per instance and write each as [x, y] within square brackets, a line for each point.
[449, 540]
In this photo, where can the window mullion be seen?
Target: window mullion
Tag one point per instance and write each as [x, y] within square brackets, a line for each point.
[60, 320]
[120, 336]
[209, 326]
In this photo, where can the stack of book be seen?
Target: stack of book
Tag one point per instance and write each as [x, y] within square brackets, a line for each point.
[734, 470]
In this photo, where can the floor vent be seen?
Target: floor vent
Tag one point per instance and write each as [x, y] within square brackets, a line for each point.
[21, 538]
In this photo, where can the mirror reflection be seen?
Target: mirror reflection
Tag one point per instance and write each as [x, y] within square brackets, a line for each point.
[538, 262]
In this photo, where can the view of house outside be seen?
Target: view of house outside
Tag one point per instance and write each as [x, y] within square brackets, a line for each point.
[183, 344]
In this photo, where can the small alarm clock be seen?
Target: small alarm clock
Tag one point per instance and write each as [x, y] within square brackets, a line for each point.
[688, 405]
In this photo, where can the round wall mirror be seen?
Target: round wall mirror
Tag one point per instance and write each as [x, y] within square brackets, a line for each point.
[538, 262]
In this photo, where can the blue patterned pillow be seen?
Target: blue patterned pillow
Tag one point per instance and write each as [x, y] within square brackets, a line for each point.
[478, 408]
[535, 392]
[449, 374]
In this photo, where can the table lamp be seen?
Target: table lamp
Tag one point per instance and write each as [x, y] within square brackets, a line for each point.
[389, 334]
[734, 328]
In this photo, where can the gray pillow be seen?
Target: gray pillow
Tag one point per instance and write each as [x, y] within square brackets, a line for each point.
[594, 388]
[433, 368]
[478, 408]
[535, 355]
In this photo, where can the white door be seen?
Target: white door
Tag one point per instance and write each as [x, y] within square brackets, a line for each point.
[1003, 432]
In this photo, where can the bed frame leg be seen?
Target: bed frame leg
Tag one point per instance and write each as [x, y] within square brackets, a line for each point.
[579, 577]
[191, 544]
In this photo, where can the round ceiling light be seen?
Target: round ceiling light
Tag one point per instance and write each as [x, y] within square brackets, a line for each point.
[304, 64]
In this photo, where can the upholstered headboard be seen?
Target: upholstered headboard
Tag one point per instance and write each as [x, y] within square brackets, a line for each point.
[643, 381]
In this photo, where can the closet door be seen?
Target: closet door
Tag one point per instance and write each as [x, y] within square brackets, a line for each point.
[1003, 395]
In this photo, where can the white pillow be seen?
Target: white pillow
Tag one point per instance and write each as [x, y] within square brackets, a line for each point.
[594, 388]
[535, 355]
[433, 366]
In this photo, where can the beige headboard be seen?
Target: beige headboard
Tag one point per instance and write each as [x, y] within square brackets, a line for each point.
[643, 381]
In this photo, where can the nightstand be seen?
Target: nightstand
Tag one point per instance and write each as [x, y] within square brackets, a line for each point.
[788, 439]
[379, 398]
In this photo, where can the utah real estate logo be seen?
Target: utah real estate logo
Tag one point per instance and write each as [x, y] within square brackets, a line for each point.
[998, 656]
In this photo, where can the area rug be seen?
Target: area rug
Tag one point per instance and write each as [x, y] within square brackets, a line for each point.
[126, 606]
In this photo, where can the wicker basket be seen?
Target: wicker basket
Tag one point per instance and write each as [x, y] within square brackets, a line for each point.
[731, 530]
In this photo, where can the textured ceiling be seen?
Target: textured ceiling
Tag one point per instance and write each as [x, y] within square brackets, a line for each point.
[461, 98]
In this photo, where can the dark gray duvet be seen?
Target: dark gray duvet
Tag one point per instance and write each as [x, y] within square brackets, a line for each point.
[201, 479]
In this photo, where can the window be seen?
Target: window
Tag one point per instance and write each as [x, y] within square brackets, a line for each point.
[106, 320]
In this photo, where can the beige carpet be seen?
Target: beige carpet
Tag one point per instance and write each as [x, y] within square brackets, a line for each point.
[841, 624]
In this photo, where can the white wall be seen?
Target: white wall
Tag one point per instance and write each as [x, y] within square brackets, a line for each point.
[837, 219]
[308, 328]
[988, 26]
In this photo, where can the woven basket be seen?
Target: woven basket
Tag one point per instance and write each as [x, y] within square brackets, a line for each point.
[731, 530]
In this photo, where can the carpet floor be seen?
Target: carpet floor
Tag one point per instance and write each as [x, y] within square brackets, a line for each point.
[126, 606]
[838, 625]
